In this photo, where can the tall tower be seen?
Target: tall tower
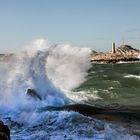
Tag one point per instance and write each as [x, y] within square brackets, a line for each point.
[113, 47]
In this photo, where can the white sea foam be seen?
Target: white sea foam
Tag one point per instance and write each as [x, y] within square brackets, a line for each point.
[70, 125]
[83, 96]
[132, 76]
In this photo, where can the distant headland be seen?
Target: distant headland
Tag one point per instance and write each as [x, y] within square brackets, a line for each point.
[124, 53]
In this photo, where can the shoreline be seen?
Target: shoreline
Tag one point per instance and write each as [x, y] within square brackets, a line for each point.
[124, 54]
[116, 62]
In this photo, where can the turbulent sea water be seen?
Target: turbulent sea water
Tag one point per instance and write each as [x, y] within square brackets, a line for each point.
[63, 75]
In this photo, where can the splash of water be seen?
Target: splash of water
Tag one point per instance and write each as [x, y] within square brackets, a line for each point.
[49, 70]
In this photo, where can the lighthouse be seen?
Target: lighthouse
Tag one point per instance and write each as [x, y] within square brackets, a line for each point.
[113, 47]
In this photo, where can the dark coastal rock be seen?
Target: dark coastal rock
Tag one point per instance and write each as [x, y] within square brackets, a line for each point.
[94, 52]
[32, 93]
[4, 131]
[123, 53]
[3, 136]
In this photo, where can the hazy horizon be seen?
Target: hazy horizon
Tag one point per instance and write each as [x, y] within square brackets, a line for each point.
[103, 50]
[87, 23]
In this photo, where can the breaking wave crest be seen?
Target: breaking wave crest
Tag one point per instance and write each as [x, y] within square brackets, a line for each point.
[132, 76]
[47, 68]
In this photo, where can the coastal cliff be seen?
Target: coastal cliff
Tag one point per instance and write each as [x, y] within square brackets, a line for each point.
[124, 53]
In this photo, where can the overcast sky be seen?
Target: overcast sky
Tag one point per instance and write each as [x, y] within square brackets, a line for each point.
[84, 23]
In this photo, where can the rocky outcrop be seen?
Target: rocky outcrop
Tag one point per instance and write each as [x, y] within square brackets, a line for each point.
[32, 93]
[123, 53]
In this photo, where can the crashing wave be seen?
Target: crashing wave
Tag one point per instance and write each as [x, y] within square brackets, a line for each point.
[47, 68]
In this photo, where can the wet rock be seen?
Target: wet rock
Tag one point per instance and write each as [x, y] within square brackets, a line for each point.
[32, 93]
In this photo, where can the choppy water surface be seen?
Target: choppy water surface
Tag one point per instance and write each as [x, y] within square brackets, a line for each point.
[62, 74]
[113, 84]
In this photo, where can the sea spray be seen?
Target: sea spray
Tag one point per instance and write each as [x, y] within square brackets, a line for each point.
[47, 68]
[67, 66]
[41, 66]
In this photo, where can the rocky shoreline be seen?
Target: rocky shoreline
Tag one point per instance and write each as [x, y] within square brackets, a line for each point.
[124, 53]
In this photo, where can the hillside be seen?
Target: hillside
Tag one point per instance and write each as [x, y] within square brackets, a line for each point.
[122, 53]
